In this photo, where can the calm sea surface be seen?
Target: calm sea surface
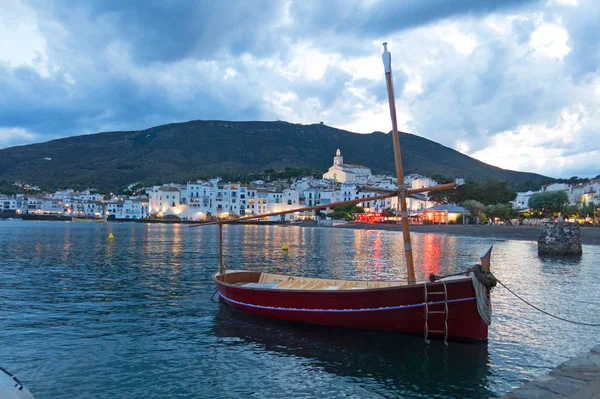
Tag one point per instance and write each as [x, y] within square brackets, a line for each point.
[85, 317]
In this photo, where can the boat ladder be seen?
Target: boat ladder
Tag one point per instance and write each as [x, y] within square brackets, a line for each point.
[436, 313]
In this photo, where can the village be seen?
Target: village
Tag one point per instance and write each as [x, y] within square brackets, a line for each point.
[215, 198]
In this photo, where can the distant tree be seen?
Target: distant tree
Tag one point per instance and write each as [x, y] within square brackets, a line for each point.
[501, 211]
[573, 180]
[454, 195]
[574, 212]
[587, 209]
[345, 212]
[441, 179]
[451, 196]
[490, 192]
[475, 208]
[494, 191]
[530, 185]
[549, 203]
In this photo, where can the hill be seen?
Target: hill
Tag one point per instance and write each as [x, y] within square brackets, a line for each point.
[181, 152]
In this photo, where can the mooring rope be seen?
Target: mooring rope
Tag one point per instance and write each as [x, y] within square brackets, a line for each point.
[540, 310]
[484, 304]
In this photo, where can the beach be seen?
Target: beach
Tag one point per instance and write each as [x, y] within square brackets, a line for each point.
[589, 235]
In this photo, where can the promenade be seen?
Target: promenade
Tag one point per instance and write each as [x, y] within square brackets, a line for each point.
[589, 235]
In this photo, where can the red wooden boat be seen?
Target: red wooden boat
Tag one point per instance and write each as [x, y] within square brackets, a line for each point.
[444, 308]
[456, 306]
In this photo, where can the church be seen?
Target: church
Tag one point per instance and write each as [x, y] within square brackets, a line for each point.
[346, 173]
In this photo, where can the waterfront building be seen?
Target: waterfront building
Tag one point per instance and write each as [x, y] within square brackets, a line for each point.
[127, 209]
[30, 204]
[444, 213]
[8, 204]
[94, 208]
[164, 200]
[51, 205]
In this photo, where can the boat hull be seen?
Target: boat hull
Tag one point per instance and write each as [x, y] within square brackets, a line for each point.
[395, 309]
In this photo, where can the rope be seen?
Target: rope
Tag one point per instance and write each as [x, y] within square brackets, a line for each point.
[484, 304]
[538, 309]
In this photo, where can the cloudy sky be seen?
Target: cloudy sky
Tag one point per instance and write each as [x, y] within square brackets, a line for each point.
[513, 83]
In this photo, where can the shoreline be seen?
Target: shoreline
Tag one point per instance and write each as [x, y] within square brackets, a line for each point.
[589, 235]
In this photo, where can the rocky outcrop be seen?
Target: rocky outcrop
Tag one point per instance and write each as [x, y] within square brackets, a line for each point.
[559, 238]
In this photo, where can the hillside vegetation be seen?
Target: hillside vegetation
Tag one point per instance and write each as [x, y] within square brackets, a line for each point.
[181, 152]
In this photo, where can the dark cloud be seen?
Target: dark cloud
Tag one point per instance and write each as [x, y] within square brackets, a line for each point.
[584, 30]
[167, 31]
[50, 106]
[125, 64]
[389, 16]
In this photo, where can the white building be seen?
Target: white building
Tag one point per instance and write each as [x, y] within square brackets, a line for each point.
[522, 200]
[164, 200]
[582, 194]
[585, 194]
[8, 204]
[415, 181]
[127, 209]
[343, 173]
[51, 205]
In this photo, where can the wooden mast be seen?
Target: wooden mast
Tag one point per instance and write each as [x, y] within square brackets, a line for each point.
[387, 63]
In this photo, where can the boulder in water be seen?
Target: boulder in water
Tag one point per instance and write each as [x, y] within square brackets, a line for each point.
[559, 238]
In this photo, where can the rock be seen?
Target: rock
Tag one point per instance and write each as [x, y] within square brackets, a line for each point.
[559, 238]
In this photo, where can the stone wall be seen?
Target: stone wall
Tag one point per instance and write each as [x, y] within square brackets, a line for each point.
[559, 238]
[578, 378]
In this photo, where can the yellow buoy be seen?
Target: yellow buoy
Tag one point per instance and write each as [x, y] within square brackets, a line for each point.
[285, 246]
[111, 237]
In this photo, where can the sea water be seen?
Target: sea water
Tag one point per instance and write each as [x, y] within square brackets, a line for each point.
[83, 316]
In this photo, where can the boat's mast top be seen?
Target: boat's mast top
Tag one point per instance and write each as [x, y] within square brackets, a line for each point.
[387, 64]
[387, 59]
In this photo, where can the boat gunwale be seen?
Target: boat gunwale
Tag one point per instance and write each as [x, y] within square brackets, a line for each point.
[351, 291]
[347, 310]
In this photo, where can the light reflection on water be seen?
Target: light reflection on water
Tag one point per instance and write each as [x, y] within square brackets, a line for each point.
[83, 316]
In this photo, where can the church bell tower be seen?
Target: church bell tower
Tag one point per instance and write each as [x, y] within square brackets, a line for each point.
[338, 159]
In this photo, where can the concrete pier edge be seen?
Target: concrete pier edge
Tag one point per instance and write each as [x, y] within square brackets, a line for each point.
[577, 378]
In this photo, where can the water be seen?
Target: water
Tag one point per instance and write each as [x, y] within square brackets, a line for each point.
[85, 317]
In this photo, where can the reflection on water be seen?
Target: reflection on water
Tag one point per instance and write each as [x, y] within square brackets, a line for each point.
[85, 316]
[396, 365]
